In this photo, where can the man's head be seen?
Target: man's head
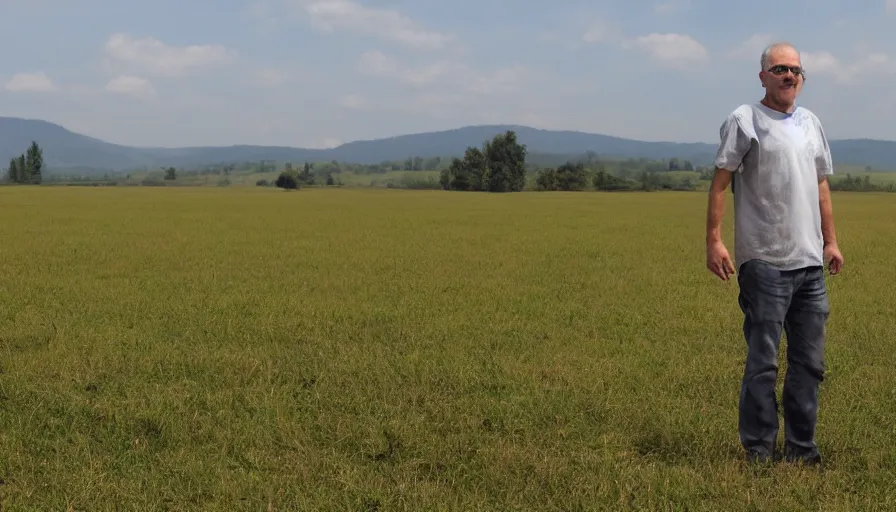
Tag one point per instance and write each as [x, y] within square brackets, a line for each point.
[782, 75]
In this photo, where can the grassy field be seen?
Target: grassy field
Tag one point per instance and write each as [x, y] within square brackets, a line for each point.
[253, 349]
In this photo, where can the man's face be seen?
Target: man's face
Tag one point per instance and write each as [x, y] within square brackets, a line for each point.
[780, 82]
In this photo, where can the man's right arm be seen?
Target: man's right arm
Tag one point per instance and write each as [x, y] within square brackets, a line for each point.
[734, 143]
[716, 209]
[718, 260]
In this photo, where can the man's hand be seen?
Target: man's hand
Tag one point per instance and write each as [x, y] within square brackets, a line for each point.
[833, 258]
[832, 255]
[718, 261]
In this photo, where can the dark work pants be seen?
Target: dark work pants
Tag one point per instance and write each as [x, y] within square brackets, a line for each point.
[795, 302]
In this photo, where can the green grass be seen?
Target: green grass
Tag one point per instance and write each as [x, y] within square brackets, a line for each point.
[254, 349]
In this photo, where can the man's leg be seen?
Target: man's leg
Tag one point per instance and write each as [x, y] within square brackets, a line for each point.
[805, 328]
[764, 298]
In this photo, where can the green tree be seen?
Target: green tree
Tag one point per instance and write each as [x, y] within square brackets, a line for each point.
[22, 169]
[500, 166]
[13, 171]
[506, 163]
[546, 179]
[651, 181]
[34, 162]
[477, 166]
[306, 177]
[288, 180]
[603, 180]
[571, 177]
[170, 173]
[457, 175]
[445, 175]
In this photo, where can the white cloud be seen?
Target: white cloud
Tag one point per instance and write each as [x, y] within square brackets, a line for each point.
[869, 62]
[890, 6]
[389, 24]
[671, 6]
[503, 80]
[30, 82]
[671, 49]
[268, 78]
[751, 48]
[455, 76]
[132, 86]
[432, 102]
[601, 32]
[429, 74]
[820, 62]
[376, 63]
[674, 50]
[870, 65]
[262, 14]
[155, 57]
[353, 101]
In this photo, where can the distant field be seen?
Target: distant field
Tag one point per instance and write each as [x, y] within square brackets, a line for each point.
[236, 179]
[380, 180]
[881, 178]
[346, 349]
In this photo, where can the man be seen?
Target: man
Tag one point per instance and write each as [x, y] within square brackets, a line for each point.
[775, 156]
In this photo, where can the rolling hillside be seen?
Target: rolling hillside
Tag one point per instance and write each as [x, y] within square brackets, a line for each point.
[64, 149]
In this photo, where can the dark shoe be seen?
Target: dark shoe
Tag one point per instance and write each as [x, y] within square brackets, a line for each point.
[758, 457]
[804, 457]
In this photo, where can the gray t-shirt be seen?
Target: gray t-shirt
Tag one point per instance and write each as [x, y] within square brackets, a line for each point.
[778, 160]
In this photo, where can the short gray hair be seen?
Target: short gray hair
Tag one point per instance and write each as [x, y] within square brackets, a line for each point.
[767, 53]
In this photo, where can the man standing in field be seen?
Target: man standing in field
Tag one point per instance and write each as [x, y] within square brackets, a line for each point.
[776, 157]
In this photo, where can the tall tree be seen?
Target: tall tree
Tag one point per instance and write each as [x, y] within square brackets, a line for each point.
[476, 165]
[571, 176]
[34, 161]
[457, 175]
[22, 169]
[13, 170]
[506, 163]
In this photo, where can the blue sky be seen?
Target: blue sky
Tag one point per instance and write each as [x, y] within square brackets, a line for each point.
[316, 73]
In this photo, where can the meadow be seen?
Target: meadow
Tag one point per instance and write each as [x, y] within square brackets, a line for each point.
[201, 348]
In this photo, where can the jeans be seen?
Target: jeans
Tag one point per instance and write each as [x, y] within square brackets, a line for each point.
[795, 302]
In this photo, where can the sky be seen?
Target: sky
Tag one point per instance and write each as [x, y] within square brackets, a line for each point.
[318, 73]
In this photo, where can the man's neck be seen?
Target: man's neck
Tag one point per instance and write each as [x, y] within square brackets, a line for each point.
[786, 109]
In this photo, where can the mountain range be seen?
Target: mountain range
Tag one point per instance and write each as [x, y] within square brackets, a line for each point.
[66, 150]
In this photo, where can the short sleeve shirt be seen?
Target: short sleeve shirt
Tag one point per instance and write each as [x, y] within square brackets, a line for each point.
[778, 159]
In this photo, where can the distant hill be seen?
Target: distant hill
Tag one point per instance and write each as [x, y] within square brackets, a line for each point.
[64, 149]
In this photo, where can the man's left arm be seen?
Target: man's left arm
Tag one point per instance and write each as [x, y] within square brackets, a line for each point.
[825, 168]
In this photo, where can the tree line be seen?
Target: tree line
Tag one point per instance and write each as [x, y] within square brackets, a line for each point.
[499, 166]
[292, 179]
[27, 167]
[851, 183]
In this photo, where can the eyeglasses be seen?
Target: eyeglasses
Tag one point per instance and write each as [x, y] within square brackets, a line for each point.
[780, 69]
